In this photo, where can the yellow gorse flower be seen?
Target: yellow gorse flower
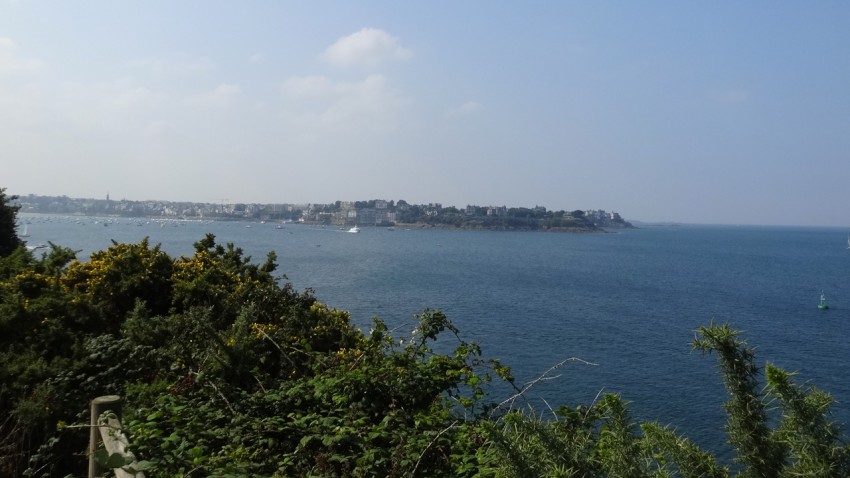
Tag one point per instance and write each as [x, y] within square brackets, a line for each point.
[260, 330]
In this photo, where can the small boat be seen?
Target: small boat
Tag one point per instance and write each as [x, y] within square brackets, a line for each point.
[822, 304]
[848, 241]
[26, 229]
[354, 229]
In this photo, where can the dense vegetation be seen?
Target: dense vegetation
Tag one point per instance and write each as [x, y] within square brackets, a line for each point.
[226, 371]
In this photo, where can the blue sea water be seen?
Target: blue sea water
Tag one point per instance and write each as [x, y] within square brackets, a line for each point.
[628, 302]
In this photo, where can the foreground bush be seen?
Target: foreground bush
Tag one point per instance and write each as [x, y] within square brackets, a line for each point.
[222, 369]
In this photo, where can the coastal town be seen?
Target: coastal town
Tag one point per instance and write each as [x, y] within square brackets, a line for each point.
[375, 212]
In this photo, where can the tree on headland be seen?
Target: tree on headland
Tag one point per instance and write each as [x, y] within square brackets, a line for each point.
[9, 240]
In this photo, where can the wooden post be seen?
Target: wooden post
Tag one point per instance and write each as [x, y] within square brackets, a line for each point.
[106, 403]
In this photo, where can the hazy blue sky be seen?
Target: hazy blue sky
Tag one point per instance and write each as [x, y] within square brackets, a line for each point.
[711, 112]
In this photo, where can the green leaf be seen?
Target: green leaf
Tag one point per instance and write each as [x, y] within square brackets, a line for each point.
[196, 452]
[140, 466]
[101, 456]
[116, 460]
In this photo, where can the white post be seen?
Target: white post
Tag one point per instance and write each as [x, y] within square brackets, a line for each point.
[106, 430]
[106, 403]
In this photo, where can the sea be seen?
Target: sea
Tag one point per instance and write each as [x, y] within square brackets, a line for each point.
[622, 308]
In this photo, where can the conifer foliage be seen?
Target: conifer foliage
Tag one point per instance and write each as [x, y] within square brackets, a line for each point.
[9, 239]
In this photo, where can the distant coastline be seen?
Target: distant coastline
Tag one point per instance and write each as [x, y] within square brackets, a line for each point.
[375, 212]
[423, 225]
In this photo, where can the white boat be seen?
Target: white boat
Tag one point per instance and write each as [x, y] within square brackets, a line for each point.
[25, 233]
[354, 229]
[848, 242]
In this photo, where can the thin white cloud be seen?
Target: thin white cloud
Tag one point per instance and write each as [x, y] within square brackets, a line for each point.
[307, 87]
[136, 97]
[467, 108]
[155, 129]
[368, 46]
[370, 98]
[222, 95]
[26, 106]
[173, 65]
[256, 58]
[317, 100]
[11, 64]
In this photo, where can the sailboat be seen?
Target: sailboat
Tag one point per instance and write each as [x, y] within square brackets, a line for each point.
[848, 241]
[25, 233]
[822, 304]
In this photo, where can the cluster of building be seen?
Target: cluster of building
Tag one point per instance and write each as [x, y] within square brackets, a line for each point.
[373, 212]
[153, 208]
[603, 218]
[376, 212]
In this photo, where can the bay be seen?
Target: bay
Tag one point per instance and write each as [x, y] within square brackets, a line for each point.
[628, 302]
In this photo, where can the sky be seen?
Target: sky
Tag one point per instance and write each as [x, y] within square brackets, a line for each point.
[695, 112]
